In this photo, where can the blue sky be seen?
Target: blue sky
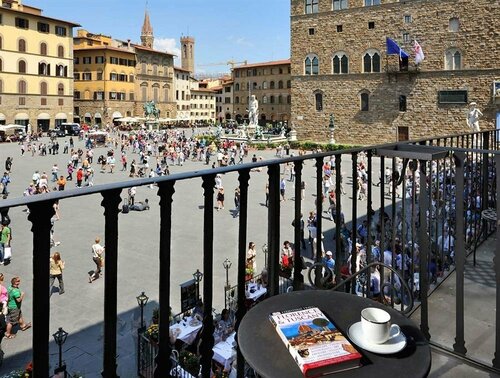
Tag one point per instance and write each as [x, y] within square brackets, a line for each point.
[257, 30]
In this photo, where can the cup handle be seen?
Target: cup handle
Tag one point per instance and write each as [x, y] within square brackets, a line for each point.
[395, 333]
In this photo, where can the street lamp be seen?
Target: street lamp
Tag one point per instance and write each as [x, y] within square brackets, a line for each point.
[198, 276]
[142, 300]
[331, 126]
[265, 250]
[227, 265]
[60, 338]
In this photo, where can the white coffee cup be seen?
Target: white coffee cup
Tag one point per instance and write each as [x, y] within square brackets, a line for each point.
[376, 325]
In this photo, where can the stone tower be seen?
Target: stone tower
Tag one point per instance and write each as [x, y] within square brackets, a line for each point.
[187, 53]
[147, 37]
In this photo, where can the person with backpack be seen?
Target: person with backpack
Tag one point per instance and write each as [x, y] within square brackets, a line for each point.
[15, 316]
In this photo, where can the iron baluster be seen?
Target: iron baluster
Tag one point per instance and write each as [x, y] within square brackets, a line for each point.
[273, 229]
[298, 278]
[40, 217]
[163, 362]
[243, 178]
[110, 202]
[207, 333]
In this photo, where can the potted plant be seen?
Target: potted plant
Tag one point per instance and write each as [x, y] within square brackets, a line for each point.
[190, 362]
[152, 333]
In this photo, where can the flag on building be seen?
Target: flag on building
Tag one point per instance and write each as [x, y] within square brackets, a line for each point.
[419, 53]
[394, 49]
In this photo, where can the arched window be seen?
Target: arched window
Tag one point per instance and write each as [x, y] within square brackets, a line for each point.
[60, 70]
[371, 61]
[364, 101]
[166, 97]
[340, 63]
[454, 24]
[311, 6]
[21, 66]
[237, 100]
[264, 99]
[43, 48]
[453, 59]
[311, 65]
[280, 84]
[271, 99]
[288, 83]
[156, 93]
[254, 85]
[60, 51]
[22, 87]
[21, 45]
[237, 87]
[144, 92]
[271, 85]
[264, 85]
[60, 89]
[280, 99]
[402, 103]
[318, 100]
[43, 88]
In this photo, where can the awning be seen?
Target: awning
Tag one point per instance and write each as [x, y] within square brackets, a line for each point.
[2, 117]
[61, 116]
[117, 115]
[21, 117]
[97, 115]
[88, 115]
[43, 116]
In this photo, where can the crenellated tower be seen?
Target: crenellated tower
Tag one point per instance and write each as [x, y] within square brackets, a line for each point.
[187, 53]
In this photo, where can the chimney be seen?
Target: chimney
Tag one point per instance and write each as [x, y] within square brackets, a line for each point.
[128, 44]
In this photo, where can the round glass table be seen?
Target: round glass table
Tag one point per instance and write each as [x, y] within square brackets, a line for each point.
[264, 351]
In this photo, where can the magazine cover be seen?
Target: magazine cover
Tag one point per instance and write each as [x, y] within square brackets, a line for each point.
[314, 341]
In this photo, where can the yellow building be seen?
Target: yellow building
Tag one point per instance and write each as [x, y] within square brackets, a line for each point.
[36, 67]
[104, 78]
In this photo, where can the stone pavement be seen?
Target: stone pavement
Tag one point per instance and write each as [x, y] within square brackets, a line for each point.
[79, 311]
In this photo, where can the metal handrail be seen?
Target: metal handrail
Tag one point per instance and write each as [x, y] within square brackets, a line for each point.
[390, 285]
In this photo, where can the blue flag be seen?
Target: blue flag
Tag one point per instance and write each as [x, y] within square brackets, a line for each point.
[394, 49]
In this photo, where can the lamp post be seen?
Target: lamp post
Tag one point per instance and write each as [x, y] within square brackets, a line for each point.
[198, 276]
[265, 250]
[60, 338]
[142, 300]
[331, 126]
[227, 265]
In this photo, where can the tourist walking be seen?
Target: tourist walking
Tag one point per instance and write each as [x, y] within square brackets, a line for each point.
[220, 199]
[251, 264]
[56, 271]
[5, 237]
[97, 256]
[15, 316]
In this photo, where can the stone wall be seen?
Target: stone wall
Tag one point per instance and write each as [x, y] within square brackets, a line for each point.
[476, 39]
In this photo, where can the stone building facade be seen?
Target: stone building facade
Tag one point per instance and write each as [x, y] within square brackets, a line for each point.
[182, 84]
[340, 66]
[36, 67]
[270, 82]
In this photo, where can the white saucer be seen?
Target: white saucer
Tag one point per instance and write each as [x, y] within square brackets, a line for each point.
[391, 346]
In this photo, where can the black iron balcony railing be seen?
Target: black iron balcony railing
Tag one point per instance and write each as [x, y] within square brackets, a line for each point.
[444, 183]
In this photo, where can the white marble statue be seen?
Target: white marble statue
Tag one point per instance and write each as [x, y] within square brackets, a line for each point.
[473, 117]
[253, 111]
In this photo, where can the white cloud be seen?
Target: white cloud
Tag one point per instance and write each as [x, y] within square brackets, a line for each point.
[169, 45]
[240, 41]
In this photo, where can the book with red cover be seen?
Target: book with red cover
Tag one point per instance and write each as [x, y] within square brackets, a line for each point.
[315, 343]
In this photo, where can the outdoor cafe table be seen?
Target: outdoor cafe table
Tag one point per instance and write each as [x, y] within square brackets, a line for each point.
[224, 352]
[257, 293]
[265, 352]
[188, 329]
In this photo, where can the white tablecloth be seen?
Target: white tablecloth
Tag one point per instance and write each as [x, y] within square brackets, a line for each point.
[187, 332]
[257, 293]
[225, 352]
